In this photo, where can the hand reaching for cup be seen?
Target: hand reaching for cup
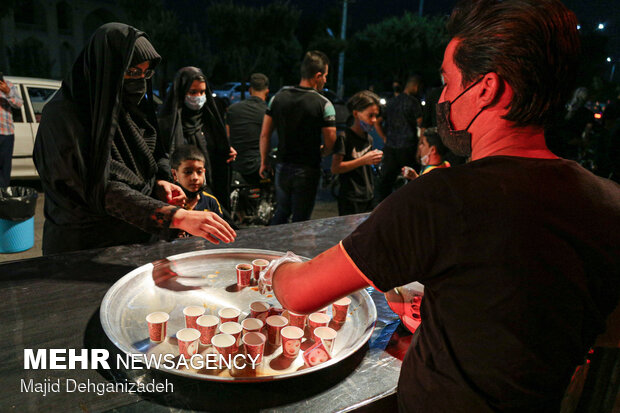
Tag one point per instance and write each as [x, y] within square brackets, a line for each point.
[204, 224]
[266, 275]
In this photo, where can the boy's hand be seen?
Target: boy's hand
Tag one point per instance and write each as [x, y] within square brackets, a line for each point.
[409, 173]
[373, 157]
[170, 193]
[204, 224]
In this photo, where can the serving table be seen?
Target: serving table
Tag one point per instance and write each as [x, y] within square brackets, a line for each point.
[53, 302]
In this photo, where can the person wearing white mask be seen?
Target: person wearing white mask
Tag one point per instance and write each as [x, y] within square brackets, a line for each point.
[431, 153]
[189, 116]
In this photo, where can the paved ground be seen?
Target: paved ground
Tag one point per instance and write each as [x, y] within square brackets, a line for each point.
[325, 207]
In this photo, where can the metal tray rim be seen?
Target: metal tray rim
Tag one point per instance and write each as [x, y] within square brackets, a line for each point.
[107, 327]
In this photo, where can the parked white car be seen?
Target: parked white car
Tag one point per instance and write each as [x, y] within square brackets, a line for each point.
[230, 91]
[35, 94]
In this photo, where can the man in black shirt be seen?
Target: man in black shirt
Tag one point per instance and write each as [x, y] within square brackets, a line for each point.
[402, 116]
[244, 121]
[301, 115]
[518, 250]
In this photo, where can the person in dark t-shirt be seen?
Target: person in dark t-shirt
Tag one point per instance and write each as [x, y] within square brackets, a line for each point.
[353, 156]
[518, 250]
[401, 118]
[301, 115]
[244, 121]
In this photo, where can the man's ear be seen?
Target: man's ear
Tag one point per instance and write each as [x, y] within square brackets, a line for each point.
[174, 175]
[491, 91]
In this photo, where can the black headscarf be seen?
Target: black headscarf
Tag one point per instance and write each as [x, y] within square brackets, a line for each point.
[180, 125]
[88, 136]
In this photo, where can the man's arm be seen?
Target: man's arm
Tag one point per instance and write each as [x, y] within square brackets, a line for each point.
[329, 137]
[10, 95]
[265, 143]
[311, 285]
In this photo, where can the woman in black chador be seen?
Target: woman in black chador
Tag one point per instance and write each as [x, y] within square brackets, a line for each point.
[99, 154]
[190, 116]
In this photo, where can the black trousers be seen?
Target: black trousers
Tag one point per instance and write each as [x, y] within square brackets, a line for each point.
[6, 157]
[349, 207]
[393, 161]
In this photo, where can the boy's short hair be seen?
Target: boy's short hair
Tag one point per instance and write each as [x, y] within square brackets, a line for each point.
[361, 100]
[185, 153]
[259, 82]
[433, 139]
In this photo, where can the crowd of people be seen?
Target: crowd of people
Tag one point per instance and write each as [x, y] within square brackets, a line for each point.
[517, 247]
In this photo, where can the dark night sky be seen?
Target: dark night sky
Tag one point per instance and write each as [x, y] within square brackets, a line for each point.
[363, 12]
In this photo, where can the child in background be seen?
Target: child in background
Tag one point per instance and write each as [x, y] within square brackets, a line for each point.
[353, 156]
[188, 170]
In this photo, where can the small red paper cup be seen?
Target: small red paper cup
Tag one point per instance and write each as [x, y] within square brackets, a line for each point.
[158, 326]
[257, 266]
[229, 314]
[340, 309]
[191, 314]
[188, 339]
[224, 344]
[254, 344]
[234, 329]
[244, 274]
[316, 354]
[323, 310]
[260, 310]
[276, 311]
[318, 320]
[275, 323]
[325, 335]
[207, 325]
[291, 341]
[296, 320]
[252, 325]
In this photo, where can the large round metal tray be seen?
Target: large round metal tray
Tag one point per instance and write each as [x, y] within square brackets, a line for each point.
[208, 278]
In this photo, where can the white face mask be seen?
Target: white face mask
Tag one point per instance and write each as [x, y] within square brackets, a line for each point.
[424, 160]
[195, 102]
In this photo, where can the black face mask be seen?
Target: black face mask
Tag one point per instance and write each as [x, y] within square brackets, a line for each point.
[189, 194]
[458, 141]
[134, 90]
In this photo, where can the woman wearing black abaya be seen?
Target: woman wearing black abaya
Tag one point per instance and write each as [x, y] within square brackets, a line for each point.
[190, 116]
[97, 152]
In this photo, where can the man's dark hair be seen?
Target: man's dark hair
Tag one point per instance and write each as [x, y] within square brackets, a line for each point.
[314, 62]
[415, 79]
[361, 100]
[185, 153]
[532, 44]
[259, 82]
[433, 139]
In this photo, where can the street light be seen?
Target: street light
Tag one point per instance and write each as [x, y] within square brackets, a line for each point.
[578, 27]
[601, 26]
[609, 60]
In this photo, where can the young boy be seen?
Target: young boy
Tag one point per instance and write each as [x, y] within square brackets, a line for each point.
[353, 156]
[188, 170]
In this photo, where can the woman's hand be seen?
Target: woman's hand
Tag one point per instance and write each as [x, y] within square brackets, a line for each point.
[232, 155]
[204, 224]
[170, 193]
